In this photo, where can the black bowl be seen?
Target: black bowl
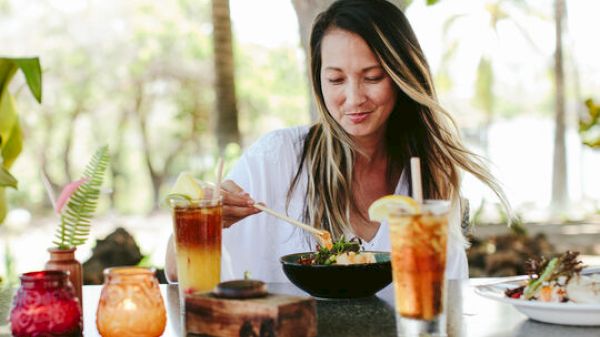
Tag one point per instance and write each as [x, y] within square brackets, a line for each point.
[339, 281]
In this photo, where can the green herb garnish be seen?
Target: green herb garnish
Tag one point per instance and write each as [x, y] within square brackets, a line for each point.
[541, 271]
[328, 256]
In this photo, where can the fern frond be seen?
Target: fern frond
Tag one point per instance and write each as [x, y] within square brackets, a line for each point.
[75, 220]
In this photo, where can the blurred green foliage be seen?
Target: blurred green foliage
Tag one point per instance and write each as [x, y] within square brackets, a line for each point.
[11, 132]
[589, 125]
[9, 267]
[143, 83]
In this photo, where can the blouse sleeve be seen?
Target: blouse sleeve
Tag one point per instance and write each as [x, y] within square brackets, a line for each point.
[264, 171]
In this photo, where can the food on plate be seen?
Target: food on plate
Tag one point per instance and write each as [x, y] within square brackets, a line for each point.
[584, 289]
[355, 258]
[558, 280]
[342, 252]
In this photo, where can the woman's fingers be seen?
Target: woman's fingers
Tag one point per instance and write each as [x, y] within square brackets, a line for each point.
[237, 204]
[241, 199]
[238, 212]
[233, 214]
[231, 186]
[235, 195]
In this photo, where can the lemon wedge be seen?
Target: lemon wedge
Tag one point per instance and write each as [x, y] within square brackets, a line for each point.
[380, 209]
[186, 187]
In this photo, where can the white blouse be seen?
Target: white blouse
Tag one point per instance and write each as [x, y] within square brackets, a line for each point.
[256, 243]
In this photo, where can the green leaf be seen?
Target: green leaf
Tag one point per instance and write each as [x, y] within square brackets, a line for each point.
[8, 116]
[33, 75]
[589, 125]
[76, 217]
[13, 146]
[7, 70]
[594, 144]
[3, 207]
[6, 179]
[533, 287]
[30, 67]
[484, 86]
[432, 2]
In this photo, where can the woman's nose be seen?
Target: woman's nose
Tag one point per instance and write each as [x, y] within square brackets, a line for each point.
[355, 95]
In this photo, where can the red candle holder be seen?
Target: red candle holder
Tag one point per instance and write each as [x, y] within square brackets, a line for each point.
[46, 305]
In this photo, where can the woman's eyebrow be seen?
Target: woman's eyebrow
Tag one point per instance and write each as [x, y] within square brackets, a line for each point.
[364, 70]
[376, 66]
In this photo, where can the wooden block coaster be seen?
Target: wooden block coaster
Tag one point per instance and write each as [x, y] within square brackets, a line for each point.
[269, 316]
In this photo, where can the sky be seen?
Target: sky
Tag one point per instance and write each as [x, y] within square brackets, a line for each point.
[277, 25]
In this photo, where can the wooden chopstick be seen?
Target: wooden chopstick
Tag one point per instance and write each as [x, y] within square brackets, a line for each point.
[290, 220]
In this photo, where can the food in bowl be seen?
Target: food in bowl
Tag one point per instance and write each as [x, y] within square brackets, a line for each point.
[342, 252]
[326, 240]
[336, 280]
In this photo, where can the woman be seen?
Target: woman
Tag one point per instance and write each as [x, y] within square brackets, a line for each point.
[377, 108]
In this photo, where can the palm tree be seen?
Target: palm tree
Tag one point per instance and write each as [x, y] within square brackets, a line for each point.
[485, 80]
[496, 11]
[559, 168]
[227, 113]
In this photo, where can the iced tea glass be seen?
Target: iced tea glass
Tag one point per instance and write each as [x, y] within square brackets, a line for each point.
[197, 233]
[419, 262]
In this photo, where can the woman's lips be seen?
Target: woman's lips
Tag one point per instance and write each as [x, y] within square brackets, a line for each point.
[357, 118]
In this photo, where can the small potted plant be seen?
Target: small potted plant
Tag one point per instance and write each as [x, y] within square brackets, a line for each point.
[76, 206]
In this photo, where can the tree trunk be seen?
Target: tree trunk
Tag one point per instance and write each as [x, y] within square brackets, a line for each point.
[158, 174]
[142, 114]
[116, 167]
[484, 99]
[559, 174]
[306, 12]
[227, 115]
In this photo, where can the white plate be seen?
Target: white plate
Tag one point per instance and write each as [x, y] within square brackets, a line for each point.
[557, 313]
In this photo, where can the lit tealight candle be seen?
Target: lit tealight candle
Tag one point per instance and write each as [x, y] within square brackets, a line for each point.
[130, 304]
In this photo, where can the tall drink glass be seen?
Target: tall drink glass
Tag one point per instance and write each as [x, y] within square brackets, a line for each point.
[197, 232]
[418, 265]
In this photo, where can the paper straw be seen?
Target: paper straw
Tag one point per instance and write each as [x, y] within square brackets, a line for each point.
[415, 172]
[219, 178]
[49, 190]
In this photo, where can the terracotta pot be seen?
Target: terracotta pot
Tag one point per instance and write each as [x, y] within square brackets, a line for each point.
[64, 259]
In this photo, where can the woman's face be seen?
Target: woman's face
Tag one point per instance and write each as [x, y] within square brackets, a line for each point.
[358, 93]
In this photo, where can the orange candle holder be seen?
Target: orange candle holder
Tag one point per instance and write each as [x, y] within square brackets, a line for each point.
[130, 304]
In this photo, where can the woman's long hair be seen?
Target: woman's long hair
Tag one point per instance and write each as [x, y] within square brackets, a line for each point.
[417, 127]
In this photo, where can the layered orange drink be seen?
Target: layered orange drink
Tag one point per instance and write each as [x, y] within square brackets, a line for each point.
[197, 223]
[418, 235]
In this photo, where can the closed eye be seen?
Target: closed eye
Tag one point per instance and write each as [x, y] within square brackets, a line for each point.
[335, 80]
[374, 79]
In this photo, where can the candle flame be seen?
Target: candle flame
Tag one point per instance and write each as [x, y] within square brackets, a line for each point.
[128, 304]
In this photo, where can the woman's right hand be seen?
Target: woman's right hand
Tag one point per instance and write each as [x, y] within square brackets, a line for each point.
[237, 204]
